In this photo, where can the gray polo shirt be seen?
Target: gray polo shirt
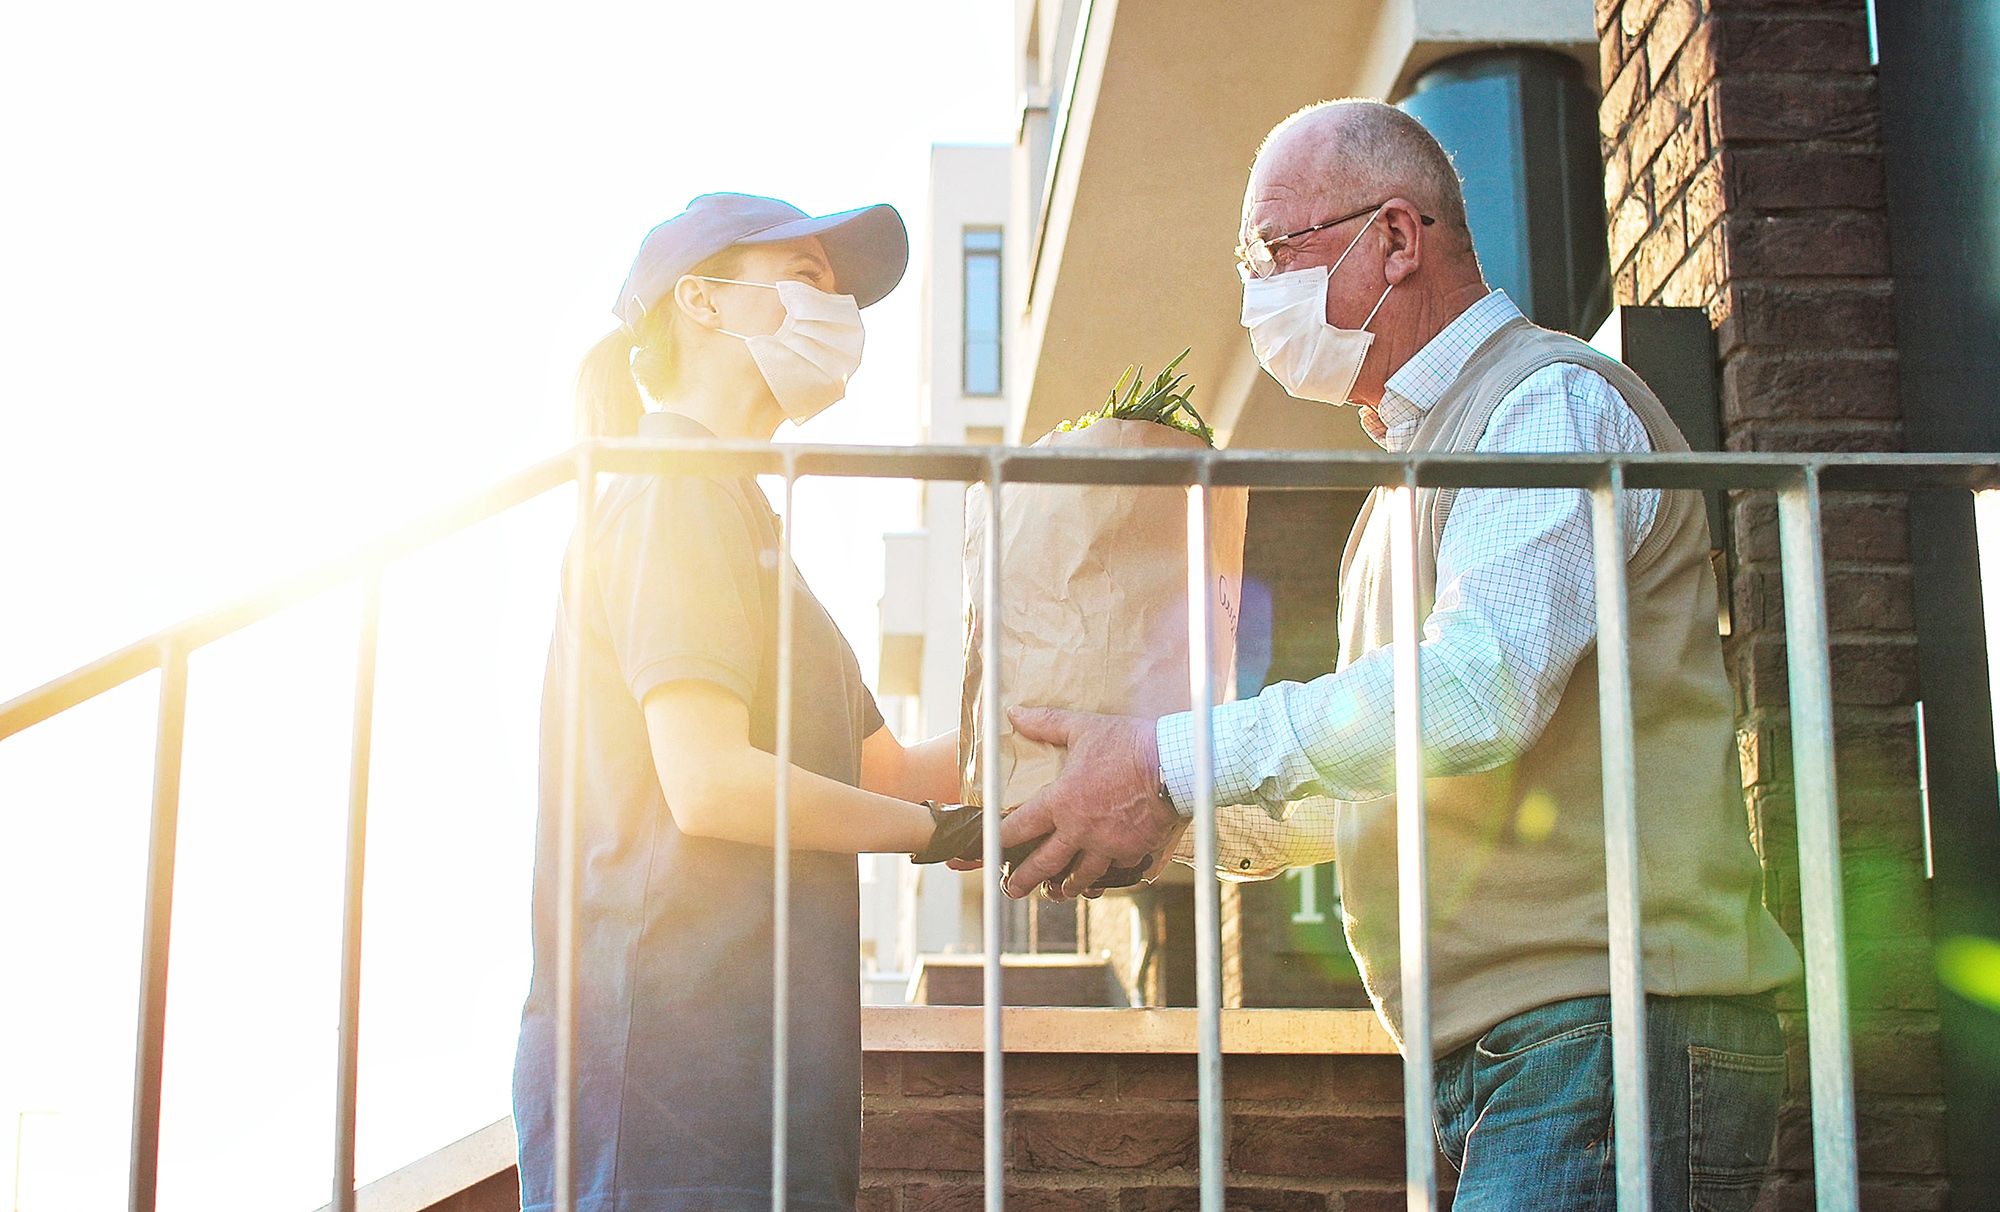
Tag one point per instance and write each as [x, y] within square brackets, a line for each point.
[675, 962]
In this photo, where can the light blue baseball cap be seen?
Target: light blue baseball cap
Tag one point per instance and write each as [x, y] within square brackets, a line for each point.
[868, 248]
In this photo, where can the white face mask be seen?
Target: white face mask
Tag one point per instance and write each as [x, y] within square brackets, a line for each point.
[1286, 316]
[806, 362]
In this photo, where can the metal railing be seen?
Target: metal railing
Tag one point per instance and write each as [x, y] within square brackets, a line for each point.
[1797, 480]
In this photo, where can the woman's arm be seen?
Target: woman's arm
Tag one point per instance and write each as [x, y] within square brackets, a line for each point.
[924, 771]
[719, 785]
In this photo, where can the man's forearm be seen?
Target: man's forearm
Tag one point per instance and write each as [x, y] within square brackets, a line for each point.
[1335, 736]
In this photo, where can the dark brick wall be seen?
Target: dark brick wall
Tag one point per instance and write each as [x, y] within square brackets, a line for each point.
[1744, 176]
[1148, 933]
[1098, 1133]
[1292, 549]
[1272, 960]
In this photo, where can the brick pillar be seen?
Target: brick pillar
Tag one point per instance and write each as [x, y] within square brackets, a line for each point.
[1744, 176]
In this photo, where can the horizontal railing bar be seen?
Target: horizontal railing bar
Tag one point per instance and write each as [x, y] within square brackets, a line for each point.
[1304, 469]
[115, 669]
[1176, 468]
[1976, 472]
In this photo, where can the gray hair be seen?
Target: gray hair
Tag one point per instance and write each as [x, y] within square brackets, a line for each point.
[1362, 150]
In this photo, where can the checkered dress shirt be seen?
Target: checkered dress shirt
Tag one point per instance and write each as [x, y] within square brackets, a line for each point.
[1516, 609]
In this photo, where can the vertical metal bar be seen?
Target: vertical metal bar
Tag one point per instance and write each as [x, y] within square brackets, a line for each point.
[781, 862]
[575, 596]
[1621, 843]
[1924, 788]
[1817, 807]
[158, 929]
[347, 1071]
[992, 908]
[1207, 882]
[1412, 870]
[20, 1146]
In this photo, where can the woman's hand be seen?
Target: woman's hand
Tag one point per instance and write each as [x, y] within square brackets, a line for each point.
[959, 835]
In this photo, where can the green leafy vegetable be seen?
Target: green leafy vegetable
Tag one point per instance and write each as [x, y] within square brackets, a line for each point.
[1164, 402]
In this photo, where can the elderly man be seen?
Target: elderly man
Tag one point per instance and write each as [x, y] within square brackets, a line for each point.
[1361, 287]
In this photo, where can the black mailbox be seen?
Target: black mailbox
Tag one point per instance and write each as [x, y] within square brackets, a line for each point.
[1673, 349]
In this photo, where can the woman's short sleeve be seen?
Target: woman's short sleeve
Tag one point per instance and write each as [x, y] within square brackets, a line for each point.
[681, 575]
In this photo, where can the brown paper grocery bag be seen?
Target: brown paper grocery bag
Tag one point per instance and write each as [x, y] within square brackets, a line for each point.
[1093, 601]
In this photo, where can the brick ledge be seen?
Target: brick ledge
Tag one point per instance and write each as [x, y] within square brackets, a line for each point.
[1122, 1030]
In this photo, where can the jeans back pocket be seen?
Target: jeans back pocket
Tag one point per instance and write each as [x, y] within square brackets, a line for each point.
[1732, 1116]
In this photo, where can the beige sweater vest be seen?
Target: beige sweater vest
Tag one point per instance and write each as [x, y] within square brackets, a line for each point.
[1517, 892]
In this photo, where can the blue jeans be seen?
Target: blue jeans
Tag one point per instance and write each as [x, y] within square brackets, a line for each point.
[1525, 1113]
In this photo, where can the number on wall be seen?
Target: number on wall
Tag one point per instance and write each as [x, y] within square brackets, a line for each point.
[1308, 912]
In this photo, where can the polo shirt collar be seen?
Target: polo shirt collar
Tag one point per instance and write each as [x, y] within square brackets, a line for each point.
[664, 424]
[1414, 389]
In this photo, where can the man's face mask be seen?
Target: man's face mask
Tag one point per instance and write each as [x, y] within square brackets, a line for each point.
[1286, 315]
[808, 361]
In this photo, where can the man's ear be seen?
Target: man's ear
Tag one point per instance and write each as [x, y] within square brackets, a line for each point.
[692, 296]
[1407, 234]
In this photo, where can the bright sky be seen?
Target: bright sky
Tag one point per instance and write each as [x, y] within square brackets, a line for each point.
[272, 278]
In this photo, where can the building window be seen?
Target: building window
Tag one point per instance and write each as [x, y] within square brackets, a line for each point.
[981, 361]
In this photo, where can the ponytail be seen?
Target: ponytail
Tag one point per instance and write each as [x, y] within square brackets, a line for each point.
[608, 403]
[607, 397]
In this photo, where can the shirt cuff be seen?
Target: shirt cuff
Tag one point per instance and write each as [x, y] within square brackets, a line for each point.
[1174, 734]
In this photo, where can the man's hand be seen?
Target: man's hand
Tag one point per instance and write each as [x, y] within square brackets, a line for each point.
[1061, 888]
[1104, 808]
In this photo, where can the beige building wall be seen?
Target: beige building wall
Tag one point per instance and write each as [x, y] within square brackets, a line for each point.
[923, 606]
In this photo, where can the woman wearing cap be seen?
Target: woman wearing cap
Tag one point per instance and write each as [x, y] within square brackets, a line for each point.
[739, 313]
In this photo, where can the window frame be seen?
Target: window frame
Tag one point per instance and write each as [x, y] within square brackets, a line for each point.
[968, 251]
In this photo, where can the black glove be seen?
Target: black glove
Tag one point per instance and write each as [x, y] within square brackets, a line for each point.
[957, 832]
[1123, 877]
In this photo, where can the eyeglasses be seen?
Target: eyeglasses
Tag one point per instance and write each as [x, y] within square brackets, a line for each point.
[1255, 258]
